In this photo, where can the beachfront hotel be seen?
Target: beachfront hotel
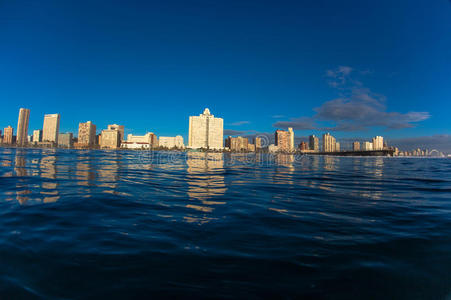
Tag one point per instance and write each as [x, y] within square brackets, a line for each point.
[206, 131]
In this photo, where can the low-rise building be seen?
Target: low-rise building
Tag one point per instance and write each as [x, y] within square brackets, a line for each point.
[171, 142]
[237, 143]
[37, 136]
[356, 146]
[147, 141]
[110, 139]
[65, 140]
[367, 146]
[8, 135]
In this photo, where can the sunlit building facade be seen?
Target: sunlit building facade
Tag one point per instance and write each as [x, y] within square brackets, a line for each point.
[205, 131]
[22, 127]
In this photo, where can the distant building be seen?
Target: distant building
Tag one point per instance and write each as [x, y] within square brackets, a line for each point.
[22, 127]
[303, 146]
[273, 148]
[237, 143]
[314, 143]
[378, 143]
[51, 127]
[356, 146]
[329, 143]
[8, 134]
[258, 142]
[110, 139]
[285, 140]
[65, 140]
[119, 128]
[86, 134]
[147, 141]
[205, 131]
[37, 136]
[171, 142]
[251, 147]
[337, 147]
[368, 146]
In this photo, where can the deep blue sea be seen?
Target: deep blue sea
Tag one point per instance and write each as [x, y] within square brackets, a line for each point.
[124, 224]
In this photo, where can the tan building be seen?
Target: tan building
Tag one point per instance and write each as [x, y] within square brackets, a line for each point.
[206, 131]
[119, 128]
[285, 140]
[22, 127]
[8, 134]
[251, 147]
[378, 143]
[171, 142]
[37, 136]
[110, 139]
[258, 142]
[368, 146]
[329, 143]
[356, 146]
[314, 143]
[65, 140]
[337, 147]
[237, 143]
[51, 127]
[86, 134]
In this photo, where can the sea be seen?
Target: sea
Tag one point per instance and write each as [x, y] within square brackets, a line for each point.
[97, 224]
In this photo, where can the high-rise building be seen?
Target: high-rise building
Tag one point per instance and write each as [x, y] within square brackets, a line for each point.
[356, 146]
[285, 140]
[378, 143]
[51, 128]
[171, 142]
[119, 128]
[337, 147]
[65, 140]
[22, 127]
[86, 134]
[8, 133]
[237, 143]
[37, 136]
[205, 131]
[329, 143]
[314, 143]
[368, 146]
[110, 139]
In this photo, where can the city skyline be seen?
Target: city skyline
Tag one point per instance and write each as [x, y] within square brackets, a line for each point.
[205, 131]
[305, 65]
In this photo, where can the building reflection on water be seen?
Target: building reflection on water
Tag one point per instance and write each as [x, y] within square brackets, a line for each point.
[49, 188]
[205, 182]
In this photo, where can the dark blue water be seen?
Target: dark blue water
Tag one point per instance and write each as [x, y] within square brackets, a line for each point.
[94, 224]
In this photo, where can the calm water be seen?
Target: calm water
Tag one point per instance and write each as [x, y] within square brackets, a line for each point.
[91, 224]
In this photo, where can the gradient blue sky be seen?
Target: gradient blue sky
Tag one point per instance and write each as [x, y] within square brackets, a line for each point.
[257, 64]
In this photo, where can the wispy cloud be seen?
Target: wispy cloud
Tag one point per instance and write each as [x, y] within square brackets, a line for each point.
[357, 108]
[239, 123]
[278, 116]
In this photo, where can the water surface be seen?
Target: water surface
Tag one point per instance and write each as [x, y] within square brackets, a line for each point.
[91, 224]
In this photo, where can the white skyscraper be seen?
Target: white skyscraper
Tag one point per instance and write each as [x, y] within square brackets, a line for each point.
[51, 128]
[206, 131]
[378, 143]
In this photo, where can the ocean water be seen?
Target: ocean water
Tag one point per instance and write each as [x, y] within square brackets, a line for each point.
[123, 224]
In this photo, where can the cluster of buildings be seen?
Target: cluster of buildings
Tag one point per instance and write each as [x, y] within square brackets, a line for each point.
[205, 132]
[111, 138]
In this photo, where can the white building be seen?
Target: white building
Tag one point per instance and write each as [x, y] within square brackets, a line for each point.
[51, 128]
[171, 142]
[206, 131]
[147, 141]
[378, 143]
[367, 146]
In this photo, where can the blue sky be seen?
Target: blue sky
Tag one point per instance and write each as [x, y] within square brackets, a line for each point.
[356, 68]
